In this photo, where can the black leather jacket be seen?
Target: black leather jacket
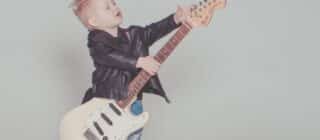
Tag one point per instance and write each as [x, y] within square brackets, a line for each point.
[115, 59]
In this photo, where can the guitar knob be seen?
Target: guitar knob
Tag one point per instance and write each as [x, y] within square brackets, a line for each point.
[105, 138]
[194, 7]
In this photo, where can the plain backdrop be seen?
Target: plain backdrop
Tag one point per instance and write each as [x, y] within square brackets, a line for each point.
[252, 74]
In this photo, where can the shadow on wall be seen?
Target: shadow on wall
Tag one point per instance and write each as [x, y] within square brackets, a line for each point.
[75, 67]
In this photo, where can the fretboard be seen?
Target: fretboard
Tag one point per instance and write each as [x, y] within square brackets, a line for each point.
[142, 78]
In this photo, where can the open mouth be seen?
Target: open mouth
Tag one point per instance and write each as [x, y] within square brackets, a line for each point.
[118, 14]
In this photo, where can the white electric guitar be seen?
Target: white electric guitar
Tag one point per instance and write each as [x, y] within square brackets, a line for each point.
[106, 119]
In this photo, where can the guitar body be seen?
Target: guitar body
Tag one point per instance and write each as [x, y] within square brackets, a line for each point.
[100, 119]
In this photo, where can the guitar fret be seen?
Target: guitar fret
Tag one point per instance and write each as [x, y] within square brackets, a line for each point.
[166, 52]
[136, 86]
[171, 45]
[180, 33]
[161, 56]
[145, 75]
[139, 84]
[184, 31]
[167, 49]
[140, 78]
[179, 39]
[174, 40]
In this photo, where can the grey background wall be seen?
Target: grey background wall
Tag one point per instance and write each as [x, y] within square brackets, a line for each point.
[252, 74]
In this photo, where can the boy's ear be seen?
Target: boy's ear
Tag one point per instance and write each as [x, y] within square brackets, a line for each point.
[92, 21]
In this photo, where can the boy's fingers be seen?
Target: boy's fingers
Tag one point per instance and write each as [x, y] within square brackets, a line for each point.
[155, 62]
[155, 68]
[149, 71]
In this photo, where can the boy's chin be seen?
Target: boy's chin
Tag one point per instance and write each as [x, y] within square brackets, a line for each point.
[112, 25]
[119, 20]
[118, 23]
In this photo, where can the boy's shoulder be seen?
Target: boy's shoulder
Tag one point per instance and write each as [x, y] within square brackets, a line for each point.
[124, 34]
[96, 35]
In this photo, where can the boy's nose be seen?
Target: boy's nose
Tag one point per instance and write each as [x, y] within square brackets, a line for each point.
[115, 9]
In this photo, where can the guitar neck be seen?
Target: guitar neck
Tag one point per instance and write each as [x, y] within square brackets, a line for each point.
[142, 78]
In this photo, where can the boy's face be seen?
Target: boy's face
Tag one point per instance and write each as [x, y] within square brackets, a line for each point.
[106, 14]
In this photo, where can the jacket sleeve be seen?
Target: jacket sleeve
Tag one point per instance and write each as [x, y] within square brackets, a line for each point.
[153, 32]
[111, 57]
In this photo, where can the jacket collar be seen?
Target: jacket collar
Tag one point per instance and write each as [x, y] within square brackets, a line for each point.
[109, 39]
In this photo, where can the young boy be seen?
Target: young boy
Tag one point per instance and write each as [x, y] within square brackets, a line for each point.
[119, 53]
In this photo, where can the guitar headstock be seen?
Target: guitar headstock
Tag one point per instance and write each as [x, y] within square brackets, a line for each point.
[201, 14]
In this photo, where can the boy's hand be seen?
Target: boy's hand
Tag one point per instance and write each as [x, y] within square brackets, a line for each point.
[149, 64]
[182, 14]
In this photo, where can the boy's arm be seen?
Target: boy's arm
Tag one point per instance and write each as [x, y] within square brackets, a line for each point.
[153, 32]
[111, 57]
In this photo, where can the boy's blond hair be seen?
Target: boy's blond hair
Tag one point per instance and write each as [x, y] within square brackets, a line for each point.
[81, 9]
